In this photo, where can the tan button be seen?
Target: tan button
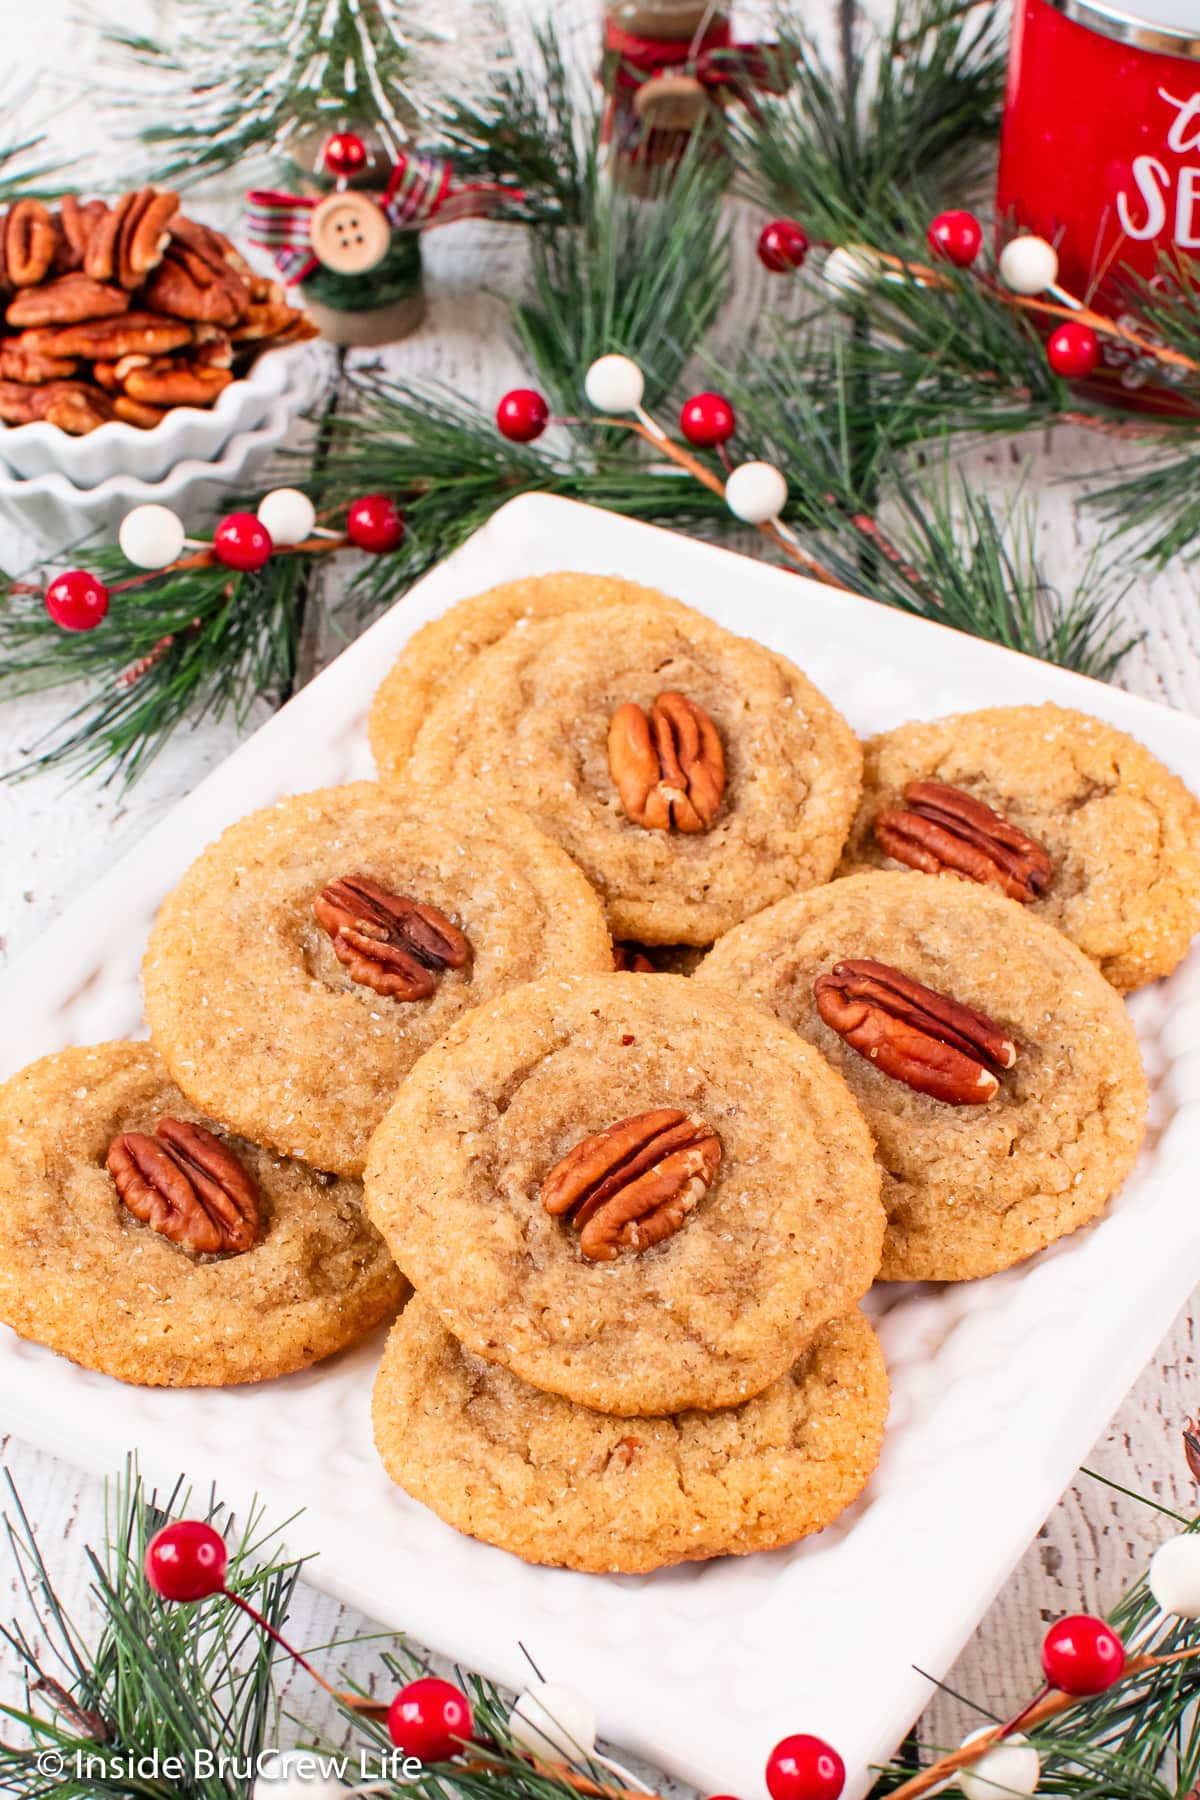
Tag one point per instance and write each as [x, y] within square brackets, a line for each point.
[348, 233]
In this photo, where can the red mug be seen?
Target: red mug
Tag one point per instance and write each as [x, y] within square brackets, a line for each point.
[1100, 150]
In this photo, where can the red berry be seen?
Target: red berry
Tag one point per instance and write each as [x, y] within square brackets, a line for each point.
[1073, 350]
[187, 1561]
[958, 236]
[805, 1768]
[782, 246]
[1082, 1655]
[522, 415]
[242, 542]
[707, 420]
[430, 1719]
[375, 523]
[345, 154]
[76, 600]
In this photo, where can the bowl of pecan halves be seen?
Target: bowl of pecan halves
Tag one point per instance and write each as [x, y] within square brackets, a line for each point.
[134, 339]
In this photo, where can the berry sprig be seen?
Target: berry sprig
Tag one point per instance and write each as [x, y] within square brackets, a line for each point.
[754, 491]
[1026, 277]
[152, 538]
[554, 1727]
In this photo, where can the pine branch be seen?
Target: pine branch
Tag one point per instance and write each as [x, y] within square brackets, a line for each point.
[192, 644]
[950, 557]
[531, 128]
[161, 1679]
[249, 81]
[1158, 505]
[447, 464]
[642, 276]
[909, 121]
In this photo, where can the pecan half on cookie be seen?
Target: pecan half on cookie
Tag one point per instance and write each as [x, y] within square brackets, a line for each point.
[945, 831]
[387, 942]
[633, 1184]
[187, 1185]
[669, 768]
[913, 1034]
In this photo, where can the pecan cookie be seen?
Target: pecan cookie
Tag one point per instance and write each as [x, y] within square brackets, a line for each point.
[140, 1239]
[1111, 839]
[693, 775]
[995, 1066]
[314, 951]
[558, 1484]
[437, 656]
[635, 1193]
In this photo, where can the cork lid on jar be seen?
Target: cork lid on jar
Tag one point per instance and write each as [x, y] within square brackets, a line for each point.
[668, 19]
[1169, 26]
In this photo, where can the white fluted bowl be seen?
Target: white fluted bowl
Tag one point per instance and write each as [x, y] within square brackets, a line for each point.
[188, 434]
[49, 507]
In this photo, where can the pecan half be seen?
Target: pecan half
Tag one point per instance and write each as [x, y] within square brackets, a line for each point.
[126, 243]
[190, 286]
[944, 831]
[172, 381]
[21, 365]
[105, 340]
[632, 1185]
[30, 241]
[669, 768]
[913, 1034]
[389, 943]
[187, 1185]
[66, 301]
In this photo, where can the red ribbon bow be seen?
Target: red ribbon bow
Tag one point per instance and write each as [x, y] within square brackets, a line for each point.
[715, 62]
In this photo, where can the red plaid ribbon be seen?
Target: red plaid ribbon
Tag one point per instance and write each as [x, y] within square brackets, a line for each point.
[716, 62]
[421, 192]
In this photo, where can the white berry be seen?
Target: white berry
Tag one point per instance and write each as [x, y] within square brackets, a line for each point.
[151, 537]
[1175, 1575]
[1009, 1768]
[1028, 265]
[553, 1722]
[288, 515]
[615, 384]
[852, 269]
[756, 492]
[297, 1775]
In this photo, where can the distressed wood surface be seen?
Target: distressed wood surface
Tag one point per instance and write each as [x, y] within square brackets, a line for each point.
[55, 838]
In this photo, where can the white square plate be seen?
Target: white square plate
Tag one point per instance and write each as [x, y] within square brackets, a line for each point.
[1000, 1386]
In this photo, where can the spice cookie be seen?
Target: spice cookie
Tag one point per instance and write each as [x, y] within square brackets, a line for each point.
[315, 950]
[694, 776]
[437, 656]
[995, 1066]
[558, 1484]
[1061, 811]
[636, 1193]
[140, 1239]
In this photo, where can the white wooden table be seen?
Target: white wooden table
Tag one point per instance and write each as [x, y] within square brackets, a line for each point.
[55, 837]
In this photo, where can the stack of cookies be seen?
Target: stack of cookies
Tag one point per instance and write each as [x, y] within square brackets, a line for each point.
[640, 1019]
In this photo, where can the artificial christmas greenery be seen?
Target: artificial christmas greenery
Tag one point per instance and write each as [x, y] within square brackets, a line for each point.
[170, 1701]
[863, 396]
[237, 83]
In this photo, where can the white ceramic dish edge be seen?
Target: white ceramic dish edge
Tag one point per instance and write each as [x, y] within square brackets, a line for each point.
[701, 1668]
[48, 507]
